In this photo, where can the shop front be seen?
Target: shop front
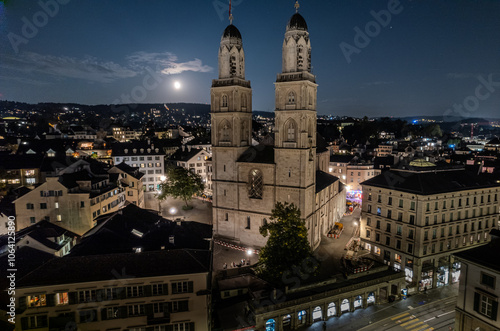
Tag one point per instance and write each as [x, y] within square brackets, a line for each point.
[442, 276]
[455, 272]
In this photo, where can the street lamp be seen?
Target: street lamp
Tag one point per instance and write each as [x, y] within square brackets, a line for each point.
[249, 253]
[172, 210]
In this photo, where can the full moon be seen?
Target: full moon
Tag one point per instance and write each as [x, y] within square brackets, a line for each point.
[177, 85]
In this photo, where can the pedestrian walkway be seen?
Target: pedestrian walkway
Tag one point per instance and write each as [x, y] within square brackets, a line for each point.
[394, 311]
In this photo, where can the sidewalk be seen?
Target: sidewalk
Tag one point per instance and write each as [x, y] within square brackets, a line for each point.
[361, 318]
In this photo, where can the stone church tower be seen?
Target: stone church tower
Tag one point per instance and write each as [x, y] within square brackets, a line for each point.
[249, 180]
[295, 123]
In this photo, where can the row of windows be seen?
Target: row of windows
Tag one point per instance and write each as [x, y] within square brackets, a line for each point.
[473, 225]
[44, 205]
[135, 158]
[398, 243]
[91, 315]
[85, 296]
[224, 100]
[453, 216]
[51, 193]
[106, 196]
[149, 165]
[444, 202]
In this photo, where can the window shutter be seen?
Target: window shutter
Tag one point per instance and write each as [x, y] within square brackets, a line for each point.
[174, 288]
[22, 304]
[104, 314]
[190, 287]
[494, 310]
[168, 307]
[191, 326]
[51, 300]
[43, 320]
[477, 297]
[165, 289]
[122, 313]
[24, 323]
[147, 290]
[121, 293]
[148, 309]
[100, 295]
[72, 298]
[183, 305]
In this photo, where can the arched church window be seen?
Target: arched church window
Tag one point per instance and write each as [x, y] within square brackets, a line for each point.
[244, 130]
[291, 98]
[256, 184]
[224, 100]
[243, 101]
[290, 129]
[225, 131]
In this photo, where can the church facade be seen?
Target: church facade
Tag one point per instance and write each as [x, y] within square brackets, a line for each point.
[249, 180]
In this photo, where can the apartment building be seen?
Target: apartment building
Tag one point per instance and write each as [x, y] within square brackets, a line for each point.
[414, 220]
[384, 150]
[122, 134]
[351, 171]
[21, 170]
[151, 162]
[477, 302]
[196, 160]
[71, 200]
[131, 179]
[158, 290]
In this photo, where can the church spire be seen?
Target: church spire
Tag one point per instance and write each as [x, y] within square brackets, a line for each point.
[297, 6]
[230, 13]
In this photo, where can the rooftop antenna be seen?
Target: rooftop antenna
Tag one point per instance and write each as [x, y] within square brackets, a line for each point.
[297, 6]
[230, 13]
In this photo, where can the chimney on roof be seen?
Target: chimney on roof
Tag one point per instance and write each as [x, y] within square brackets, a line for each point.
[149, 141]
[183, 147]
[189, 148]
[134, 150]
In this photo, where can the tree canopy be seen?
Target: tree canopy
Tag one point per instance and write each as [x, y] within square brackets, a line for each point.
[182, 184]
[287, 246]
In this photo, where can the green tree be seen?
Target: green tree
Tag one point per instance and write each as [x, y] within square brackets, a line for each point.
[287, 249]
[181, 184]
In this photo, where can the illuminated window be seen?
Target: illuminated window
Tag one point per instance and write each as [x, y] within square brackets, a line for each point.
[255, 184]
[37, 300]
[62, 298]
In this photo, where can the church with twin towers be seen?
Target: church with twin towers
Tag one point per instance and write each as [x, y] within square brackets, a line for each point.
[249, 180]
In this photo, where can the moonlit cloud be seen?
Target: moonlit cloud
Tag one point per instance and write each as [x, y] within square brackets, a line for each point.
[167, 63]
[92, 69]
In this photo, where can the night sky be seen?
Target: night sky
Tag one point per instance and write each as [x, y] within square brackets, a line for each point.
[431, 55]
